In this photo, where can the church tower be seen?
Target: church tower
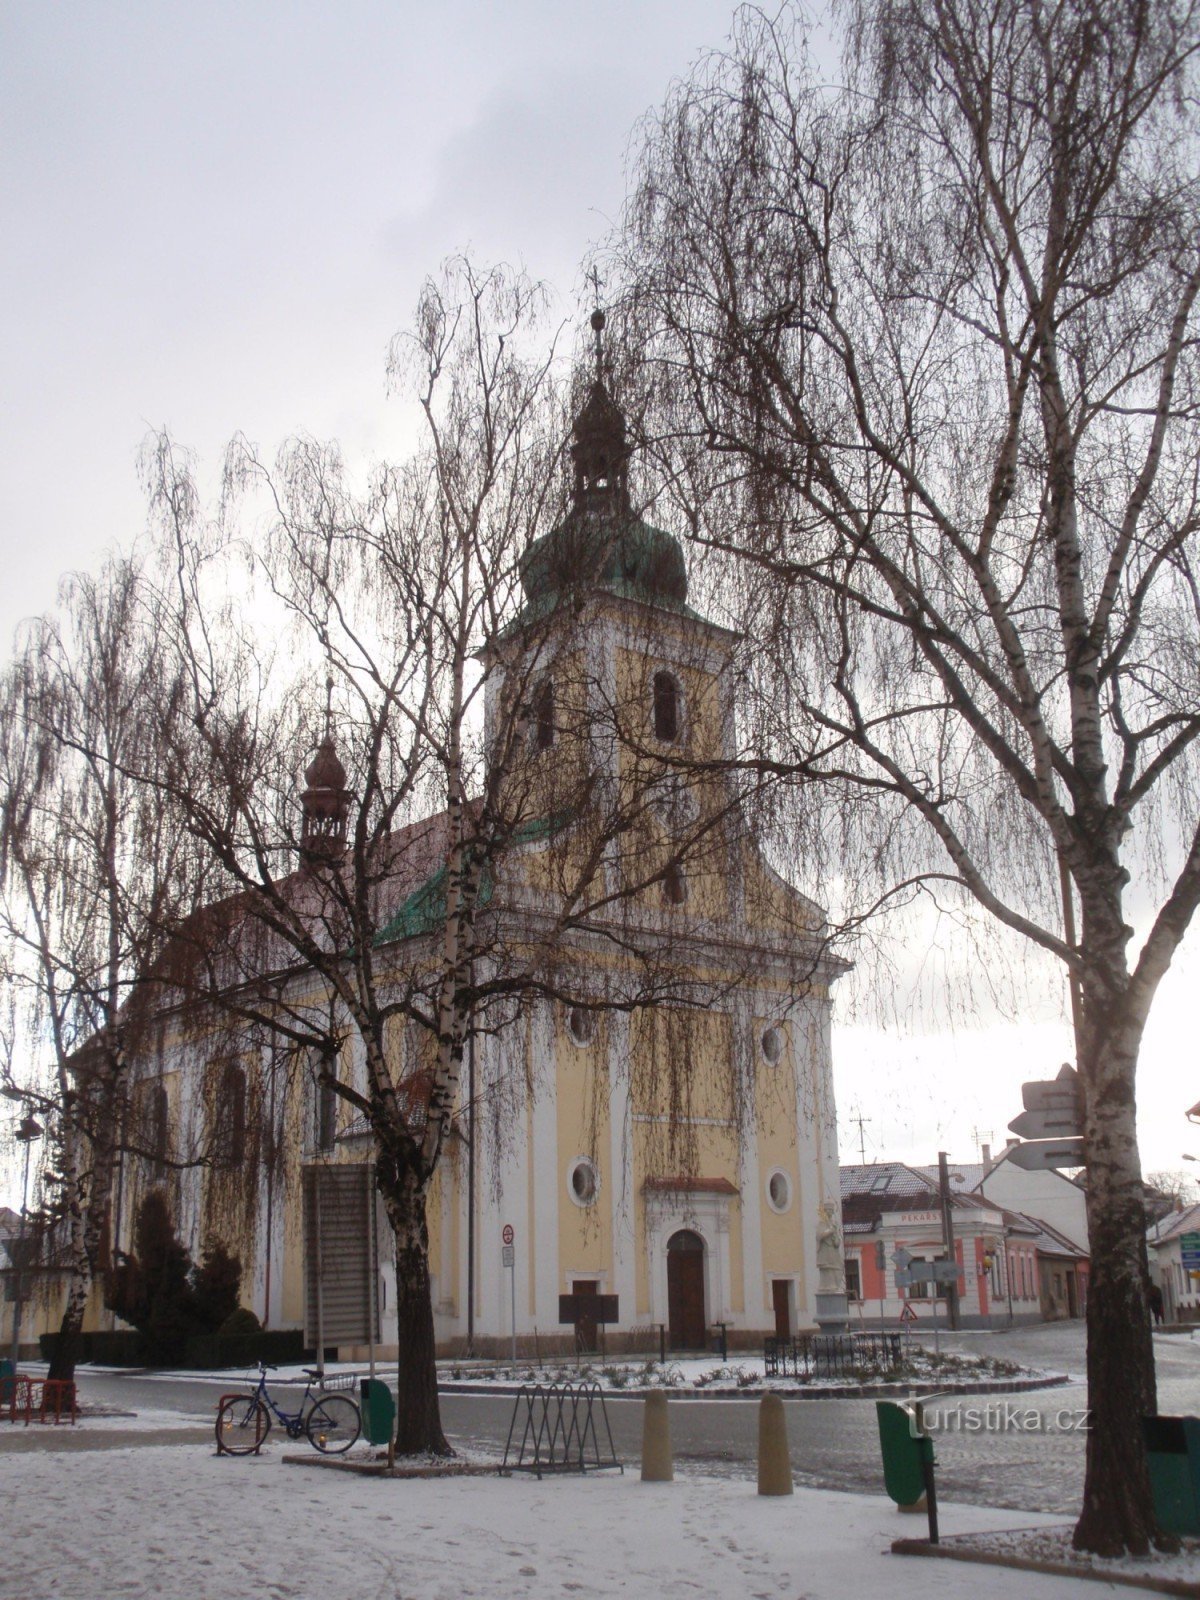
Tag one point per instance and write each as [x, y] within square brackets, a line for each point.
[325, 802]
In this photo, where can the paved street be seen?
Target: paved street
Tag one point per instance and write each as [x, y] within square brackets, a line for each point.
[834, 1442]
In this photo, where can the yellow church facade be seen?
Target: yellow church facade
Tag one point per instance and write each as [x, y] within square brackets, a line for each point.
[651, 1136]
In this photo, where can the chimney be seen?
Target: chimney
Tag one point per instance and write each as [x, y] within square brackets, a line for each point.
[985, 1151]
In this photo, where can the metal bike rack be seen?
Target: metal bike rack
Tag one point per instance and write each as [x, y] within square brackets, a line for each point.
[564, 1429]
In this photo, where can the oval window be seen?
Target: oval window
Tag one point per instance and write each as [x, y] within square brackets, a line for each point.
[772, 1046]
[674, 885]
[583, 1182]
[581, 1025]
[779, 1190]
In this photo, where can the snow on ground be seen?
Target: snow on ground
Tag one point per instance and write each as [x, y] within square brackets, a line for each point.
[179, 1520]
[740, 1372]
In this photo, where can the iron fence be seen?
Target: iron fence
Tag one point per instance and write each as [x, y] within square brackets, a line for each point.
[832, 1355]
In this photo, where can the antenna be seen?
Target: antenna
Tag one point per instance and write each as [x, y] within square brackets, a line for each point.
[862, 1142]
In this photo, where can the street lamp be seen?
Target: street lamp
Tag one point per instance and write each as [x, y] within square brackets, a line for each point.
[29, 1131]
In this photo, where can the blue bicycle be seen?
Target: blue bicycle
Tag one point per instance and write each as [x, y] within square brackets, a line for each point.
[331, 1422]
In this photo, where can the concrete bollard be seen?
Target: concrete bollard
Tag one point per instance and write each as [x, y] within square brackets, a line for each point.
[774, 1463]
[656, 1441]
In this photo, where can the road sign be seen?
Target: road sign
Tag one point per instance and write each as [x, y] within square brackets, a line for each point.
[904, 1278]
[508, 1255]
[908, 1314]
[901, 1257]
[946, 1271]
[1045, 1154]
[1189, 1248]
[507, 1236]
[1055, 1094]
[1060, 1124]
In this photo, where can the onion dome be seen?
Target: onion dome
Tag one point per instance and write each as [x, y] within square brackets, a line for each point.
[325, 771]
[325, 802]
[601, 542]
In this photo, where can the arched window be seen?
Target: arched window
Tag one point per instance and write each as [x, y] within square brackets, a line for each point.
[666, 707]
[325, 1067]
[160, 1112]
[229, 1117]
[543, 716]
[153, 1112]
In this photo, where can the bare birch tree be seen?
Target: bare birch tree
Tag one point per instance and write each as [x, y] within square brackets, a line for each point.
[390, 885]
[924, 351]
[90, 872]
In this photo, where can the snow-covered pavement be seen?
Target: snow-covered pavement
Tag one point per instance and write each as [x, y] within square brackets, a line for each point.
[181, 1521]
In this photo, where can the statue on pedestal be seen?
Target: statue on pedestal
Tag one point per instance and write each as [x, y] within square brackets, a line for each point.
[832, 1309]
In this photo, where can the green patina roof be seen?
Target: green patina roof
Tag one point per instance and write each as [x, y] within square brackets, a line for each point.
[607, 549]
[425, 908]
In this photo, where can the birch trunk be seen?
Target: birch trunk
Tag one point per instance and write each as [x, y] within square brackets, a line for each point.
[418, 1419]
[1118, 1506]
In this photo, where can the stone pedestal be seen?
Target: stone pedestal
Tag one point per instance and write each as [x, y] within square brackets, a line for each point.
[833, 1312]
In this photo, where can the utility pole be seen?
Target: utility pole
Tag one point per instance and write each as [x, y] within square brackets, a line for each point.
[947, 1238]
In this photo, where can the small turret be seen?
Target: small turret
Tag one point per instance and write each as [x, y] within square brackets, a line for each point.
[325, 802]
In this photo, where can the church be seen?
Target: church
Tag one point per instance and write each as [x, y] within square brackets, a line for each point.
[663, 1157]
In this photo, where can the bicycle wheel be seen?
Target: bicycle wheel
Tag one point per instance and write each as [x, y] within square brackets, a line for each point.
[333, 1424]
[243, 1422]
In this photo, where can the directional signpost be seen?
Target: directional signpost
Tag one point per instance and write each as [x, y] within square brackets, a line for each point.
[910, 1271]
[1051, 1125]
[1189, 1249]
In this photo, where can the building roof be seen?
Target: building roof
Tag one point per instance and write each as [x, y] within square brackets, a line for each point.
[1175, 1223]
[870, 1190]
[891, 1178]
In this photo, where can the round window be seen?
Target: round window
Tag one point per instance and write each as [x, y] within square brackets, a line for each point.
[583, 1181]
[779, 1190]
[772, 1046]
[581, 1025]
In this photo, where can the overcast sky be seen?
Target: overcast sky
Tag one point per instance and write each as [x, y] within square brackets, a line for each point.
[216, 216]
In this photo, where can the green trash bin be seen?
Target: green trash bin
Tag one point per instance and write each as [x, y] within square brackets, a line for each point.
[378, 1411]
[1173, 1455]
[7, 1373]
[907, 1457]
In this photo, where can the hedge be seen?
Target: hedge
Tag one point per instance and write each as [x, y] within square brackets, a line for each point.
[276, 1348]
[120, 1348]
[124, 1348]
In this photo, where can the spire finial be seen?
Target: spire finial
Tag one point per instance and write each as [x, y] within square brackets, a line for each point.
[329, 708]
[598, 322]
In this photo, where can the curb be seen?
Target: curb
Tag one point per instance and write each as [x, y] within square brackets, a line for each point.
[838, 1391]
[947, 1550]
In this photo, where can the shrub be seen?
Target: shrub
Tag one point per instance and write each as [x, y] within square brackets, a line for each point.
[240, 1322]
[157, 1289]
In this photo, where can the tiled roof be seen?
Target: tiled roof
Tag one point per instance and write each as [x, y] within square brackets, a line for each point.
[1173, 1224]
[890, 1178]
